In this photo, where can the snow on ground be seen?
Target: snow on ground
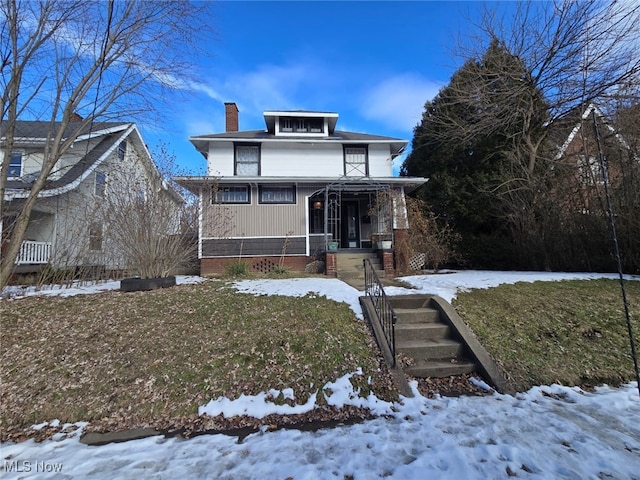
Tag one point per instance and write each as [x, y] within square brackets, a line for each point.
[79, 288]
[547, 432]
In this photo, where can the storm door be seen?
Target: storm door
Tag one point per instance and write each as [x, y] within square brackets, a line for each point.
[350, 224]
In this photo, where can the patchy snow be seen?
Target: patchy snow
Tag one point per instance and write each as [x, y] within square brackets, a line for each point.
[547, 432]
[80, 287]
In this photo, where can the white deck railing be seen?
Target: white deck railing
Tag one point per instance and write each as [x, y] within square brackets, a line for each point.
[34, 253]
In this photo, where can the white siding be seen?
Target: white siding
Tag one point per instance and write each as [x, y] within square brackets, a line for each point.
[292, 159]
[220, 159]
[380, 161]
[302, 160]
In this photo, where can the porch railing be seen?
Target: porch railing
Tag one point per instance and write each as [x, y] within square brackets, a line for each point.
[382, 307]
[34, 253]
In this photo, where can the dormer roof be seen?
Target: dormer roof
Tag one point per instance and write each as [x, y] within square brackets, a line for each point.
[271, 117]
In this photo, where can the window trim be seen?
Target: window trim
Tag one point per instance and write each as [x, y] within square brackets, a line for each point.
[21, 164]
[103, 185]
[215, 200]
[235, 157]
[95, 237]
[366, 159]
[122, 149]
[261, 201]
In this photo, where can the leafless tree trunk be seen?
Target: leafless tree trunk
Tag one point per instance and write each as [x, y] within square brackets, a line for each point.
[103, 60]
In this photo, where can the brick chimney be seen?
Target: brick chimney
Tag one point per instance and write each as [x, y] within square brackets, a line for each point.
[231, 117]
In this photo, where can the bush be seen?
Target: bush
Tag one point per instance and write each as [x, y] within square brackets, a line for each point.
[280, 271]
[237, 269]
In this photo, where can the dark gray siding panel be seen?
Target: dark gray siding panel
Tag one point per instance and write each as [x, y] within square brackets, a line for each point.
[232, 247]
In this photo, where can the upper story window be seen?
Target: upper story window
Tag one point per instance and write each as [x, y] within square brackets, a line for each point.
[15, 165]
[301, 125]
[277, 194]
[286, 124]
[355, 162]
[589, 171]
[247, 160]
[122, 149]
[231, 194]
[100, 185]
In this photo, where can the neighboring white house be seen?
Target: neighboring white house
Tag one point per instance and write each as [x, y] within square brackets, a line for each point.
[294, 190]
[68, 226]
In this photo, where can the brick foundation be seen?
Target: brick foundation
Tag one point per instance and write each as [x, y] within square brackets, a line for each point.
[387, 263]
[331, 264]
[401, 247]
[262, 264]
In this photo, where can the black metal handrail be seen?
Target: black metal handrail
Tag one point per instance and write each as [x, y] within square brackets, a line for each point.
[382, 306]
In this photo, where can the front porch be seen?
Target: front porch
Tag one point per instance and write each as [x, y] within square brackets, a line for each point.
[34, 253]
[355, 215]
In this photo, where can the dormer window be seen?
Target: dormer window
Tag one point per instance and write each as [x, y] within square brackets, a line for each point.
[301, 125]
[315, 125]
[286, 125]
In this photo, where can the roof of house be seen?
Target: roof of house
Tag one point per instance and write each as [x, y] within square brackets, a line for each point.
[75, 172]
[565, 129]
[36, 130]
[34, 133]
[338, 136]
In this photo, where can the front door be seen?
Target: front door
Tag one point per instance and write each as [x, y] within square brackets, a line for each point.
[350, 225]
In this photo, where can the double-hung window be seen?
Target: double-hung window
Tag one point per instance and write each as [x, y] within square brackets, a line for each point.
[100, 186]
[122, 149]
[231, 194]
[247, 160]
[15, 165]
[355, 162]
[277, 194]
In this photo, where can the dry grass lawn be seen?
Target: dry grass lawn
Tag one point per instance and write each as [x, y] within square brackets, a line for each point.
[570, 332]
[119, 359]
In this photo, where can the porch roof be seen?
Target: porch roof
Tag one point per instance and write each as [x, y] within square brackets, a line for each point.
[193, 184]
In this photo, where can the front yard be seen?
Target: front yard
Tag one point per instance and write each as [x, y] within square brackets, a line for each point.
[120, 360]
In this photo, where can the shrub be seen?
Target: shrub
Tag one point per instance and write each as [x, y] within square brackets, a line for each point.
[237, 269]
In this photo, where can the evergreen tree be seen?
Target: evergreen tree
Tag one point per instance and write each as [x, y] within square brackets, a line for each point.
[472, 171]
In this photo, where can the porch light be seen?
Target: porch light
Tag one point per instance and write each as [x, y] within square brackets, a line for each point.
[317, 205]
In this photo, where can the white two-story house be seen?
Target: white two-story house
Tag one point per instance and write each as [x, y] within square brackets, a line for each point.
[294, 190]
[106, 166]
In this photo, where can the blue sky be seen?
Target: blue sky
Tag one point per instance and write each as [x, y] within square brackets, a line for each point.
[374, 63]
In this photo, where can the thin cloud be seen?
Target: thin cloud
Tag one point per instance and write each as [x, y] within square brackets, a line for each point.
[398, 102]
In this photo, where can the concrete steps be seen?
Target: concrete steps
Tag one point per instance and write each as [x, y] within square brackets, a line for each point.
[350, 267]
[429, 343]
[431, 340]
[439, 368]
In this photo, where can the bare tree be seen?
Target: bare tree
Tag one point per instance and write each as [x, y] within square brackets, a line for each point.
[143, 220]
[524, 74]
[100, 59]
